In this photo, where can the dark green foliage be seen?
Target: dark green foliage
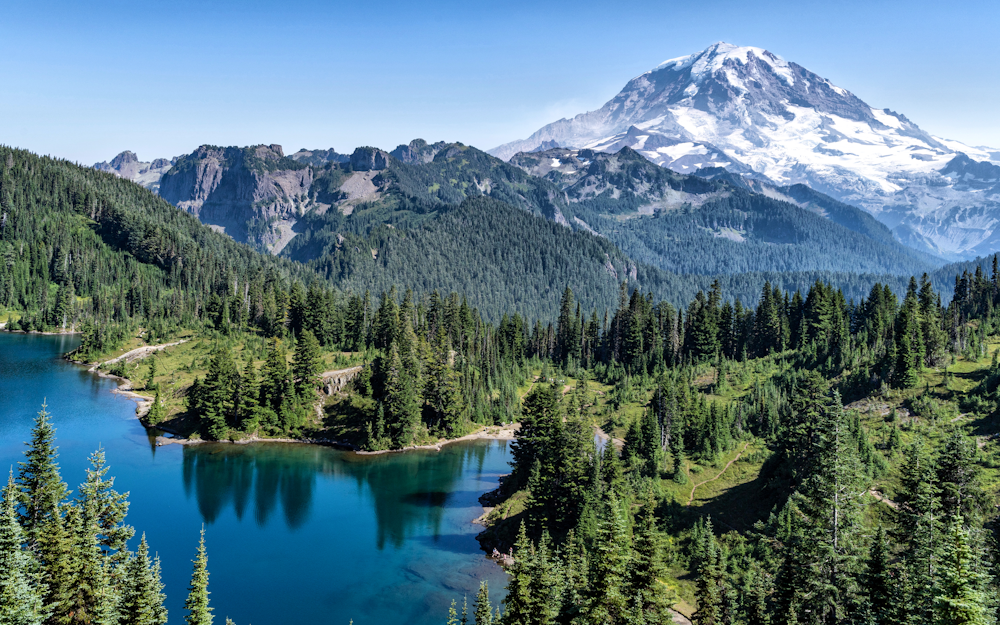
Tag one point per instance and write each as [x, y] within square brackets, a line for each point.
[142, 591]
[199, 612]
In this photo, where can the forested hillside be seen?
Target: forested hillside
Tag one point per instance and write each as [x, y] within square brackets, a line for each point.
[810, 461]
[717, 222]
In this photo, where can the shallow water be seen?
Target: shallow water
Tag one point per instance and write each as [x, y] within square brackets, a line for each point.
[295, 533]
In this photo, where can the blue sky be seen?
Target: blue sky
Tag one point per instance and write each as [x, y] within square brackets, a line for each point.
[87, 80]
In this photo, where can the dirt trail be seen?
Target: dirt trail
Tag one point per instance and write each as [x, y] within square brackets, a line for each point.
[137, 353]
[339, 372]
[889, 502]
[678, 618]
[728, 464]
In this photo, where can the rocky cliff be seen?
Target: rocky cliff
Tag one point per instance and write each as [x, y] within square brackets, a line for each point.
[253, 194]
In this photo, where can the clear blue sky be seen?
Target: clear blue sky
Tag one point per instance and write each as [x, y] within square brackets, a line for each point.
[85, 80]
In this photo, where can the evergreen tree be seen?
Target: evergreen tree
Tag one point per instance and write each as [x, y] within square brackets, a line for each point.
[711, 583]
[909, 341]
[483, 610]
[962, 599]
[306, 366]
[109, 508]
[20, 599]
[41, 489]
[141, 589]
[519, 604]
[157, 413]
[647, 568]
[199, 612]
[402, 410]
[879, 584]
[831, 502]
[608, 602]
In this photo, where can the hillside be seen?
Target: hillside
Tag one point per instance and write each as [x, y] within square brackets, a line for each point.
[730, 225]
[88, 247]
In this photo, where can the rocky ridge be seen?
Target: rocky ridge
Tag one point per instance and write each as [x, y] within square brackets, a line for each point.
[127, 165]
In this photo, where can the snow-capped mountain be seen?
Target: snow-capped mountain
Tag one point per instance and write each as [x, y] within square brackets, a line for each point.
[755, 114]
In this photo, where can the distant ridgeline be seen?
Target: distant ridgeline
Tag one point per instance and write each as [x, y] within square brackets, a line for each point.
[416, 218]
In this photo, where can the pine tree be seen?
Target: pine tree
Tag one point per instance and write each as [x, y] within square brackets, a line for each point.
[20, 599]
[61, 565]
[909, 342]
[402, 411]
[518, 604]
[157, 413]
[141, 589]
[647, 567]
[306, 366]
[483, 612]
[962, 600]
[830, 499]
[608, 602]
[275, 383]
[41, 489]
[546, 583]
[199, 612]
[711, 584]
[109, 508]
[878, 583]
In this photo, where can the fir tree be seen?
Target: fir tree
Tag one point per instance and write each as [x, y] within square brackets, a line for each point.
[647, 567]
[879, 583]
[483, 610]
[20, 599]
[199, 612]
[962, 599]
[109, 508]
[519, 604]
[608, 602]
[41, 489]
[141, 589]
[306, 366]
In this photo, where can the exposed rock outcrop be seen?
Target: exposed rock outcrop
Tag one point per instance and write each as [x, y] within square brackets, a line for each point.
[319, 158]
[243, 191]
[127, 165]
[418, 151]
[369, 159]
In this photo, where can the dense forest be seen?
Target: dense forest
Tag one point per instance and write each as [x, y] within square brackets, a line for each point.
[795, 381]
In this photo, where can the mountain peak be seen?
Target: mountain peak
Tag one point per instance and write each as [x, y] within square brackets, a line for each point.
[720, 55]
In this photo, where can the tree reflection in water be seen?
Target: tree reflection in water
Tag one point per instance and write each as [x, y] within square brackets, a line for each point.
[409, 491]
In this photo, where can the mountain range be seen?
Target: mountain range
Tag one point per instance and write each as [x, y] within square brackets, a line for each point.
[690, 174]
[751, 112]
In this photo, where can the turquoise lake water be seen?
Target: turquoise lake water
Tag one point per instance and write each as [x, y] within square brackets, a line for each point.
[295, 533]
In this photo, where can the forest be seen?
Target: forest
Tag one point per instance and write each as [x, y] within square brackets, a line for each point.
[851, 431]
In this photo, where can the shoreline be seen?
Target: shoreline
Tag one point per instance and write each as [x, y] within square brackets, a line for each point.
[3, 327]
[504, 434]
[144, 403]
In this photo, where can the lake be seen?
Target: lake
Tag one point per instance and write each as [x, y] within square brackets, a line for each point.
[295, 533]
